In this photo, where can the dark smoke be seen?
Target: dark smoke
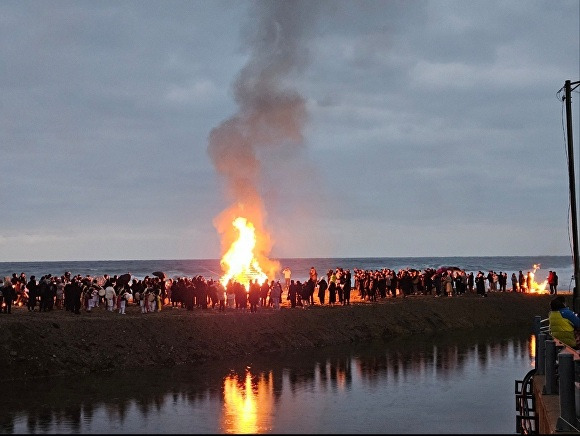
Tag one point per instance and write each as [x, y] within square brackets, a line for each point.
[271, 114]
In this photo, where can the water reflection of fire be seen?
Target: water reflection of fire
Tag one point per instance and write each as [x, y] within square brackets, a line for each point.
[239, 262]
[533, 286]
[248, 404]
[532, 350]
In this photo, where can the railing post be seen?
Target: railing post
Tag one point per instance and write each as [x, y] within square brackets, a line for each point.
[541, 354]
[537, 328]
[577, 386]
[567, 420]
[551, 386]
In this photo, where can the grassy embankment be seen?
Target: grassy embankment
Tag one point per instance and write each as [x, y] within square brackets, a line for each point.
[61, 343]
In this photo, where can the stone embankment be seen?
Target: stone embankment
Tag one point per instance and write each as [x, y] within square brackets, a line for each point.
[61, 343]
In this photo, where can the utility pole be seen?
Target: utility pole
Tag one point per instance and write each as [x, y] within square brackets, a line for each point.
[572, 182]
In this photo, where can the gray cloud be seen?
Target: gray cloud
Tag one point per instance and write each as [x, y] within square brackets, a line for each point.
[429, 128]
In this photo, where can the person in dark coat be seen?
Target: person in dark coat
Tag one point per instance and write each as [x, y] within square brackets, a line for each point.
[189, 295]
[471, 281]
[307, 289]
[41, 292]
[8, 294]
[394, 285]
[427, 279]
[312, 288]
[522, 281]
[203, 292]
[458, 284]
[322, 287]
[68, 296]
[32, 293]
[74, 290]
[480, 284]
[264, 292]
[346, 288]
[405, 284]
[514, 282]
[254, 295]
[292, 293]
[437, 284]
[241, 296]
[332, 292]
[381, 285]
[50, 294]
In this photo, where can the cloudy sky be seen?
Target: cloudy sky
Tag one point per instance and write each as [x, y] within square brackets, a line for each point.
[418, 128]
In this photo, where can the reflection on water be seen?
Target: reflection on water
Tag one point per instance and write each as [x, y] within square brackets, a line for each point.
[455, 384]
[533, 347]
[248, 402]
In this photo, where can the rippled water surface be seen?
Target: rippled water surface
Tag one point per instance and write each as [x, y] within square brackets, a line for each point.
[452, 384]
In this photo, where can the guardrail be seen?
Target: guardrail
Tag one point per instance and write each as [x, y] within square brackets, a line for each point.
[560, 366]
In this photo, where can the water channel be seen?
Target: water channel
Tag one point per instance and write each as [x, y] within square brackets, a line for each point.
[460, 383]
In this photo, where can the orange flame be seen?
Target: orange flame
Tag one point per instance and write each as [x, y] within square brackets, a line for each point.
[239, 262]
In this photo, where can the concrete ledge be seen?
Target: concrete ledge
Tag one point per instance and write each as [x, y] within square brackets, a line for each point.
[547, 407]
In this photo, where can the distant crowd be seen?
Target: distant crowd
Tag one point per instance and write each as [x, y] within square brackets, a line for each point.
[76, 293]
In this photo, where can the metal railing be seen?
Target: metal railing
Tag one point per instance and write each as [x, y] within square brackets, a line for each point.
[560, 366]
[526, 419]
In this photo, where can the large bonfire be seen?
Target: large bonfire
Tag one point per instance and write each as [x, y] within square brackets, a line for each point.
[240, 262]
[245, 244]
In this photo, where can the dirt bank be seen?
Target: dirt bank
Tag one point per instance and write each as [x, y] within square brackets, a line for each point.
[60, 343]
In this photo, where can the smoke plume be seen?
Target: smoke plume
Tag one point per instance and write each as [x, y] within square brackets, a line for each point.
[271, 115]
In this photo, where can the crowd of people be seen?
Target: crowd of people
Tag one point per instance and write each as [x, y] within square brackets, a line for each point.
[114, 293]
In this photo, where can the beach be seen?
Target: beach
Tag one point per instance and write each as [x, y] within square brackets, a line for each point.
[60, 343]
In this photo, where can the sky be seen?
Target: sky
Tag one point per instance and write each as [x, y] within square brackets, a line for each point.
[129, 129]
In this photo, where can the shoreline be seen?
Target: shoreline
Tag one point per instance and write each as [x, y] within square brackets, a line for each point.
[60, 343]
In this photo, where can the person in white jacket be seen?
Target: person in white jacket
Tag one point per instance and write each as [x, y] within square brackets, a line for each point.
[110, 297]
[287, 276]
[123, 301]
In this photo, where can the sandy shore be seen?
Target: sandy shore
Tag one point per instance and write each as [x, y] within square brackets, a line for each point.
[60, 343]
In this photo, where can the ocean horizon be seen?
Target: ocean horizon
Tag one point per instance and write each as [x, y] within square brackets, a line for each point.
[210, 268]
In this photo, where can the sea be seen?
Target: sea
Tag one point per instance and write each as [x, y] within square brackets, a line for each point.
[300, 267]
